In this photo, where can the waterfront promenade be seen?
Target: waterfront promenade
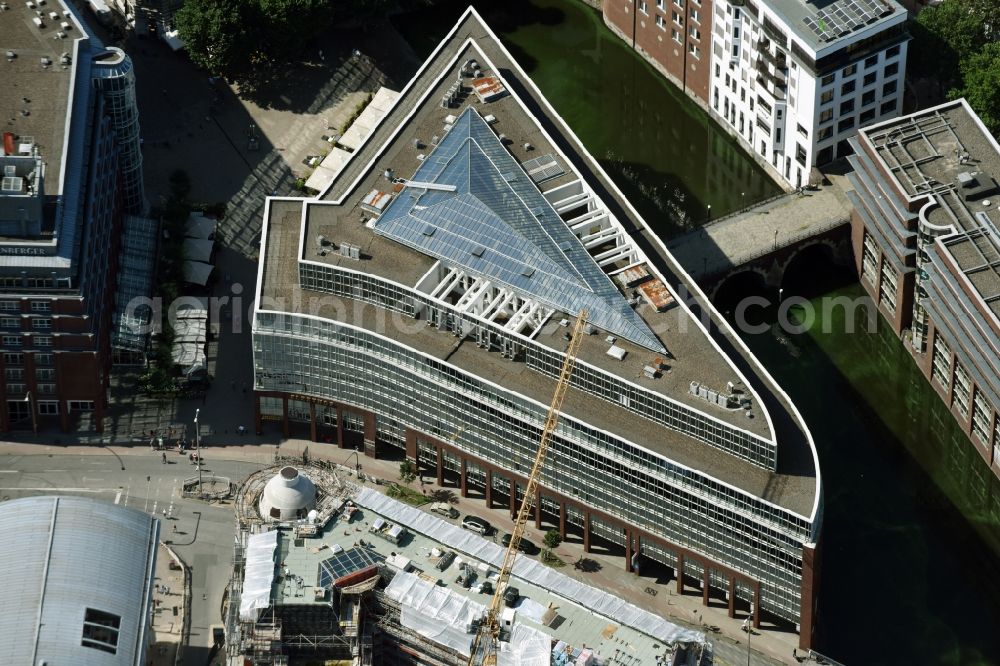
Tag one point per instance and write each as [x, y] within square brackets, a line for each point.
[759, 230]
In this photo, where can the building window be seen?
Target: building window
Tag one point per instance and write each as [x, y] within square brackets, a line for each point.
[826, 97]
[869, 259]
[660, 4]
[802, 130]
[15, 389]
[800, 154]
[100, 630]
[847, 107]
[10, 322]
[981, 417]
[660, 23]
[871, 61]
[866, 116]
[81, 405]
[41, 306]
[828, 80]
[695, 33]
[961, 390]
[675, 35]
[826, 116]
[45, 374]
[890, 69]
[12, 341]
[15, 358]
[824, 133]
[847, 88]
[43, 340]
[889, 88]
[849, 71]
[46, 389]
[887, 107]
[13, 374]
[941, 361]
[677, 18]
[43, 359]
[642, 7]
[10, 306]
[868, 98]
[41, 322]
[694, 50]
[887, 290]
[892, 53]
[696, 16]
[845, 124]
[870, 79]
[48, 408]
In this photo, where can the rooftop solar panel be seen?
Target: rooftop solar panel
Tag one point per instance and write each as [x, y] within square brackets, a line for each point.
[345, 563]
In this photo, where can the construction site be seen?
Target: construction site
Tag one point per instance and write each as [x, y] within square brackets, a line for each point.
[327, 571]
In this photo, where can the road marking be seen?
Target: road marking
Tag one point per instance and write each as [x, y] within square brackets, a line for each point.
[54, 470]
[10, 471]
[91, 478]
[67, 490]
[118, 497]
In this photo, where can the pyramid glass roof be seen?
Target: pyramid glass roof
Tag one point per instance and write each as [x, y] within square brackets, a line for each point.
[496, 224]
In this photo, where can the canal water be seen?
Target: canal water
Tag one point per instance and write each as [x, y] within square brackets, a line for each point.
[911, 568]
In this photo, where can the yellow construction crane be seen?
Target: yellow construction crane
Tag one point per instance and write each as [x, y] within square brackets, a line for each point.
[484, 648]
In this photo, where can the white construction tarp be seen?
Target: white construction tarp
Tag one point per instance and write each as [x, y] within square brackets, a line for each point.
[435, 612]
[532, 571]
[258, 574]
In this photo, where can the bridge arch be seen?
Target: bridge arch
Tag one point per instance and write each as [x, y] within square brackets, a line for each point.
[818, 258]
[748, 281]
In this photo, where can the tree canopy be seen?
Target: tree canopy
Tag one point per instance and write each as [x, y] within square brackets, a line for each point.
[955, 44]
[235, 37]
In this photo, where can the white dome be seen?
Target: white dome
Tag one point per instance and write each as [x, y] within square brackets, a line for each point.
[287, 496]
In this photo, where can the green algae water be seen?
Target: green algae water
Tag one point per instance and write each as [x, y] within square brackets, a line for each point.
[911, 541]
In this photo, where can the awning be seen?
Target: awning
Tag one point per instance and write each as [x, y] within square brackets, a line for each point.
[197, 272]
[199, 226]
[196, 249]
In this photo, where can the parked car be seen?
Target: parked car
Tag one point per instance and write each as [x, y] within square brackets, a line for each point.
[477, 524]
[524, 545]
[444, 509]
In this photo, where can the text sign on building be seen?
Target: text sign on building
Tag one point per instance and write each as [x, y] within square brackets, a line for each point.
[24, 251]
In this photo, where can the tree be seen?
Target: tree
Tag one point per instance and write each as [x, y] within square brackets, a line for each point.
[551, 541]
[981, 76]
[947, 34]
[407, 471]
[218, 34]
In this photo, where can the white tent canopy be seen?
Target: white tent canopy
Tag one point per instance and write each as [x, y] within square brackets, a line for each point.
[197, 272]
[370, 117]
[331, 166]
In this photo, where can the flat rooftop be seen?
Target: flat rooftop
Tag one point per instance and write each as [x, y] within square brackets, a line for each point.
[337, 216]
[34, 99]
[947, 154]
[578, 625]
[825, 23]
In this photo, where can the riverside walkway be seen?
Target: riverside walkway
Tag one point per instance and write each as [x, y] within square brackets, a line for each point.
[760, 230]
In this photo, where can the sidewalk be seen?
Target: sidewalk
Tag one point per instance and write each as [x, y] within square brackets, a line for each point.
[169, 609]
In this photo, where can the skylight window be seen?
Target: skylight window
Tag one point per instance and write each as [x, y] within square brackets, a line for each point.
[100, 630]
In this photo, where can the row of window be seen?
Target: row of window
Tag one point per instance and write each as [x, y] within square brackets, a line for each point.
[15, 322]
[36, 306]
[18, 341]
[17, 358]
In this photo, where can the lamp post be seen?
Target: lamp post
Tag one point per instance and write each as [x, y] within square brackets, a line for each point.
[709, 207]
[197, 446]
[30, 399]
[357, 462]
[749, 630]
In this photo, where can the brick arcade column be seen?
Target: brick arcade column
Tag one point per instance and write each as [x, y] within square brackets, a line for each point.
[312, 422]
[98, 415]
[562, 521]
[464, 487]
[756, 606]
[411, 445]
[370, 450]
[440, 467]
[628, 549]
[586, 531]
[340, 428]
[680, 573]
[732, 596]
[258, 425]
[489, 489]
[705, 584]
[284, 415]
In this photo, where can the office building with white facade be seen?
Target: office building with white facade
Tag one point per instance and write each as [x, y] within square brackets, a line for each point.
[420, 307]
[791, 80]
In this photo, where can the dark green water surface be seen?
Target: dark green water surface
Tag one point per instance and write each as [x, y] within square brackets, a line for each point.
[911, 540]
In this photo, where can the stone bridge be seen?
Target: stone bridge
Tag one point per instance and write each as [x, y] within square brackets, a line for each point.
[765, 239]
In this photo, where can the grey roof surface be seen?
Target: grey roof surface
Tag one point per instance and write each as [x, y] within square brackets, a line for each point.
[497, 224]
[824, 23]
[62, 555]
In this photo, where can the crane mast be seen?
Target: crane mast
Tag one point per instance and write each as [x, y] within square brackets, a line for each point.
[487, 636]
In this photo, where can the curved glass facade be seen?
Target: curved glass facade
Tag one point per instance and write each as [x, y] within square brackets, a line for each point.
[113, 75]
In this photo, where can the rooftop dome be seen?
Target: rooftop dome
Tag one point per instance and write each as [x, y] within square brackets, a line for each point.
[288, 495]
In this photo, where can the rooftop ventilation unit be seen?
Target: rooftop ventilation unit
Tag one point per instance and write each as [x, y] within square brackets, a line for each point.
[10, 56]
[45, 61]
[9, 170]
[966, 179]
[12, 184]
